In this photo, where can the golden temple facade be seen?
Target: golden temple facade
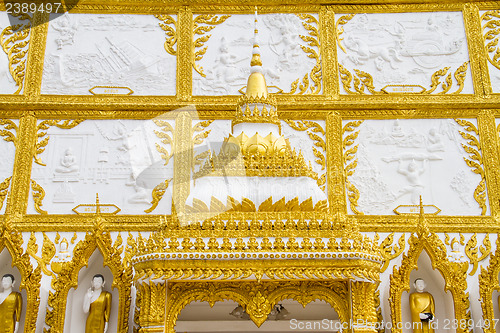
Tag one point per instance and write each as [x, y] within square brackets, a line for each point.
[250, 166]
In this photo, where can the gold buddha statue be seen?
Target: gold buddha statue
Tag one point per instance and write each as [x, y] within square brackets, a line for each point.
[97, 303]
[11, 304]
[422, 308]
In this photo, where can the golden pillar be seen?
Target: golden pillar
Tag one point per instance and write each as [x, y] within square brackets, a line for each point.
[364, 312]
[151, 301]
[183, 159]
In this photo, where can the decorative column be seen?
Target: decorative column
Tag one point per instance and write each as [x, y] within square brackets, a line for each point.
[183, 159]
[329, 52]
[364, 312]
[17, 201]
[335, 168]
[150, 306]
[184, 54]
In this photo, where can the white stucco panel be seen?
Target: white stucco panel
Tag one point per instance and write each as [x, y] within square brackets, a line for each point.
[398, 49]
[92, 50]
[116, 158]
[225, 66]
[400, 160]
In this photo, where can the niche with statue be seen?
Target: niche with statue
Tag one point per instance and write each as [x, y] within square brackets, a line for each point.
[13, 301]
[93, 306]
[427, 305]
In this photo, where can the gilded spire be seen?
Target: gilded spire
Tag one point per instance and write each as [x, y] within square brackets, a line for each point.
[256, 106]
[256, 85]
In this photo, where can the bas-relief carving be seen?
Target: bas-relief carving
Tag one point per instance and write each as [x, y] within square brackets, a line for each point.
[226, 62]
[84, 51]
[400, 160]
[115, 158]
[403, 48]
[7, 82]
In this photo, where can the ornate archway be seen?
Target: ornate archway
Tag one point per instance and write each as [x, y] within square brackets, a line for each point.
[454, 275]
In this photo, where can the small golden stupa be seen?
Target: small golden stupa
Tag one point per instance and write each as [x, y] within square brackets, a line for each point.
[250, 164]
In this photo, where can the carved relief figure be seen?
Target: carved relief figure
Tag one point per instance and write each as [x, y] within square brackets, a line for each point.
[11, 304]
[456, 254]
[97, 303]
[63, 255]
[287, 45]
[68, 162]
[402, 48]
[280, 36]
[434, 141]
[422, 308]
[412, 173]
[119, 55]
[140, 195]
[225, 71]
[66, 27]
[364, 52]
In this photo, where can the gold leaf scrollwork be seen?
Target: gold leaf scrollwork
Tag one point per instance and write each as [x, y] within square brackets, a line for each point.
[350, 162]
[471, 250]
[380, 317]
[313, 129]
[258, 299]
[198, 159]
[165, 138]
[340, 29]
[361, 80]
[202, 24]
[166, 24]
[157, 194]
[4, 187]
[202, 135]
[388, 251]
[38, 195]
[152, 299]
[460, 75]
[12, 241]
[454, 274]
[14, 40]
[67, 278]
[311, 24]
[475, 160]
[42, 133]
[48, 252]
[8, 125]
[258, 308]
[488, 283]
[491, 29]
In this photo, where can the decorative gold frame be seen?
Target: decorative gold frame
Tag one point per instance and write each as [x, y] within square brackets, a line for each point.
[330, 106]
[13, 241]
[258, 298]
[67, 278]
[488, 282]
[454, 274]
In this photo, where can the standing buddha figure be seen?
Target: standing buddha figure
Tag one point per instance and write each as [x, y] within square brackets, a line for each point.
[422, 308]
[97, 303]
[11, 304]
